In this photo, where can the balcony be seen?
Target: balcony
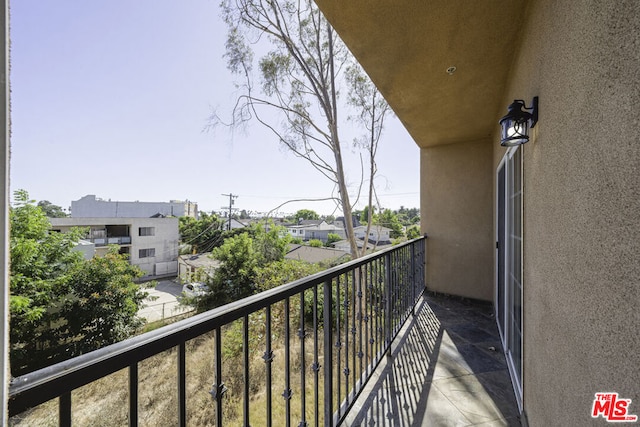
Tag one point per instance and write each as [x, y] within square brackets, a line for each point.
[103, 241]
[359, 344]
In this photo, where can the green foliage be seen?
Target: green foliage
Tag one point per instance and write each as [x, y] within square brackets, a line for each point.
[315, 243]
[102, 304]
[332, 238]
[283, 271]
[271, 242]
[307, 214]
[234, 278]
[51, 210]
[40, 264]
[413, 232]
[241, 256]
[388, 219]
[408, 217]
[200, 235]
[364, 215]
[286, 271]
[60, 304]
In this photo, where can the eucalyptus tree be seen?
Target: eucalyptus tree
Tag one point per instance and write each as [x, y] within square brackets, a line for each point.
[301, 72]
[371, 111]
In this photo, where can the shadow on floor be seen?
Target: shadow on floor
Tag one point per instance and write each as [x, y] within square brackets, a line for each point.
[446, 369]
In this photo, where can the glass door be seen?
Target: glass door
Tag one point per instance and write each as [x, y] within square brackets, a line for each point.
[508, 293]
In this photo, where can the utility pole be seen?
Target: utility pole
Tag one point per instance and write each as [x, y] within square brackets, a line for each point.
[232, 197]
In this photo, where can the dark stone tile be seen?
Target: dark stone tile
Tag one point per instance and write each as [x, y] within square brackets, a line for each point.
[470, 333]
[479, 360]
[498, 386]
[493, 348]
[452, 310]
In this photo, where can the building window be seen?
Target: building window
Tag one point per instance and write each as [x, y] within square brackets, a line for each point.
[146, 253]
[146, 231]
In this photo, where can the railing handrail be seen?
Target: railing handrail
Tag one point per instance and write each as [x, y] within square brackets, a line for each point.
[44, 384]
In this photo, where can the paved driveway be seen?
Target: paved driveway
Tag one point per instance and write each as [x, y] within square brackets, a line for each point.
[163, 301]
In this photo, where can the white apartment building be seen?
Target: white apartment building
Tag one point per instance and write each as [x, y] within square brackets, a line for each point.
[91, 206]
[377, 233]
[151, 243]
[315, 231]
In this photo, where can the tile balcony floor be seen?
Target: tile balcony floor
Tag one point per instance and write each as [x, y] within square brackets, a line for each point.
[446, 369]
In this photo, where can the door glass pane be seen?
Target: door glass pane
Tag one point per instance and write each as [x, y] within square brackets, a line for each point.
[514, 289]
[509, 268]
[500, 292]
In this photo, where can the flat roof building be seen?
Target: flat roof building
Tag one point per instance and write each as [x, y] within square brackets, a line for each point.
[91, 206]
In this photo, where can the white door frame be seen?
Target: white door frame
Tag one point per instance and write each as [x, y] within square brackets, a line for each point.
[504, 291]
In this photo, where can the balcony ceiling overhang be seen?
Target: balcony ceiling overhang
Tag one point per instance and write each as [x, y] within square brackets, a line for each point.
[407, 47]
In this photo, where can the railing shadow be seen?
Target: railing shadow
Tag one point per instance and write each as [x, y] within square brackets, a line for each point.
[398, 395]
[446, 368]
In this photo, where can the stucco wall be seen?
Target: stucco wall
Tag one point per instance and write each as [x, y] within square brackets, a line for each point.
[581, 207]
[456, 206]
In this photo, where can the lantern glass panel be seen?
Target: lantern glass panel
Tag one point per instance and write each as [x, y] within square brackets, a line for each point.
[514, 132]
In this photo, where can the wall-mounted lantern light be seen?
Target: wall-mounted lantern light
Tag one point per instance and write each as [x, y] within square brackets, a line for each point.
[515, 125]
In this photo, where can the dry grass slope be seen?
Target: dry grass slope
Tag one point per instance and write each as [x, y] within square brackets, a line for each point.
[105, 402]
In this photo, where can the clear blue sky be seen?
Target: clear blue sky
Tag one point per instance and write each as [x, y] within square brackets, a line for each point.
[112, 98]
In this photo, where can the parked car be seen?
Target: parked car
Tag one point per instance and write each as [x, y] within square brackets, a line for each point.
[196, 289]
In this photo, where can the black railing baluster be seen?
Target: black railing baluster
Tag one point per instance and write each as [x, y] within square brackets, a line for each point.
[353, 331]
[399, 291]
[368, 318]
[388, 303]
[133, 395]
[182, 385]
[383, 307]
[268, 358]
[286, 394]
[338, 343]
[303, 368]
[316, 362]
[246, 394]
[218, 389]
[360, 318]
[377, 326]
[328, 353]
[347, 331]
[64, 410]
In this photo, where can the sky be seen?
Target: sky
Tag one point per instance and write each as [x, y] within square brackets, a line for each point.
[113, 98]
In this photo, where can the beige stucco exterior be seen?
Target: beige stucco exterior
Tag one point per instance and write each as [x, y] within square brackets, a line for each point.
[581, 171]
[581, 207]
[456, 208]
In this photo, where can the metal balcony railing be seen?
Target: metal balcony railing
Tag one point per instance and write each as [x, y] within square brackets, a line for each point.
[345, 319]
[103, 241]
